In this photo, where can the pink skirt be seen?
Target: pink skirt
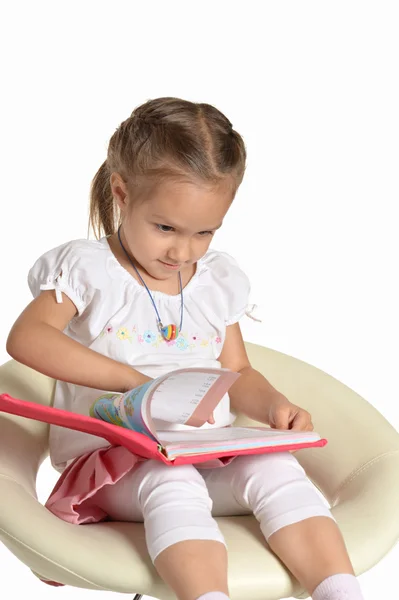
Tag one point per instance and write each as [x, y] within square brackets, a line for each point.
[73, 498]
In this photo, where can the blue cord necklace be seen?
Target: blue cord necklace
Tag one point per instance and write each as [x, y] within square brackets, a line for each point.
[169, 332]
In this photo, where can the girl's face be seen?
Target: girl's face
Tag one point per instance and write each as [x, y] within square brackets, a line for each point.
[172, 228]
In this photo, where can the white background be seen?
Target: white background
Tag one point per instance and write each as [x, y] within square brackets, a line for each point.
[312, 87]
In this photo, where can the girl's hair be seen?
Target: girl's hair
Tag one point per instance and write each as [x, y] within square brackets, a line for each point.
[166, 138]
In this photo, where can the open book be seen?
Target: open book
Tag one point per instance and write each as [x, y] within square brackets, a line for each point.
[185, 396]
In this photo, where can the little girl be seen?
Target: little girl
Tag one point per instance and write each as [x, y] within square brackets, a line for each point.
[100, 321]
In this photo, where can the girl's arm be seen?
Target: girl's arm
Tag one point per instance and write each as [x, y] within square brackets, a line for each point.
[37, 340]
[251, 394]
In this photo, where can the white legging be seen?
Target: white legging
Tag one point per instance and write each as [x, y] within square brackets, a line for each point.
[179, 503]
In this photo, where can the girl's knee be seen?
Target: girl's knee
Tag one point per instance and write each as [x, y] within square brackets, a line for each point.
[270, 480]
[176, 507]
[279, 492]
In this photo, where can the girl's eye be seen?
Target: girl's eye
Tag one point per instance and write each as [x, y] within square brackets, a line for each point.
[168, 229]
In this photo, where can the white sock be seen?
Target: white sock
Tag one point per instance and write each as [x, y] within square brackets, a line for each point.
[213, 596]
[338, 587]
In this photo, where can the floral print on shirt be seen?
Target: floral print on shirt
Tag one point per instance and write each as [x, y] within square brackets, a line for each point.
[153, 338]
[123, 334]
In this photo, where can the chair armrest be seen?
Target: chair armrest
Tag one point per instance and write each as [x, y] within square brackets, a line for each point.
[356, 432]
[23, 442]
[23, 447]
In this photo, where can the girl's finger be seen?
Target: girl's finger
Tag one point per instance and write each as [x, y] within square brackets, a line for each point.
[301, 421]
[281, 420]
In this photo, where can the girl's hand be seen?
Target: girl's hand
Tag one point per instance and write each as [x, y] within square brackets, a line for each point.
[285, 415]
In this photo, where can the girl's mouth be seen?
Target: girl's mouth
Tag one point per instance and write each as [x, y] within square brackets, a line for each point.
[169, 266]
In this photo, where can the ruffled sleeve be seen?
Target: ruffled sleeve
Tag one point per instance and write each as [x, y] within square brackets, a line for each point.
[64, 269]
[231, 284]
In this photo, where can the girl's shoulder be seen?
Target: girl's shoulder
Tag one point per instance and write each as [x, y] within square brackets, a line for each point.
[226, 287]
[82, 249]
[222, 266]
[86, 255]
[77, 268]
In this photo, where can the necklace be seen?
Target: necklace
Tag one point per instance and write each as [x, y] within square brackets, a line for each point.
[169, 332]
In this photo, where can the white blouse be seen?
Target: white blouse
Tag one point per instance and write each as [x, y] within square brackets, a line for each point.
[116, 318]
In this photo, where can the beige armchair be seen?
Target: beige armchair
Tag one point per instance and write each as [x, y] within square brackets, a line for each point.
[357, 472]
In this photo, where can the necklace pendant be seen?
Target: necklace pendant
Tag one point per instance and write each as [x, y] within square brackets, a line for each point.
[170, 332]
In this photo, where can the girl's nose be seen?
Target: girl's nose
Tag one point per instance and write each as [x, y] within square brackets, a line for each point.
[180, 253]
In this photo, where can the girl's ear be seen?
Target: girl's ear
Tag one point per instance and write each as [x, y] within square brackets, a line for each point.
[119, 191]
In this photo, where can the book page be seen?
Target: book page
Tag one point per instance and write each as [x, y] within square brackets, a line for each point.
[129, 407]
[233, 440]
[186, 396]
[176, 398]
[208, 437]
